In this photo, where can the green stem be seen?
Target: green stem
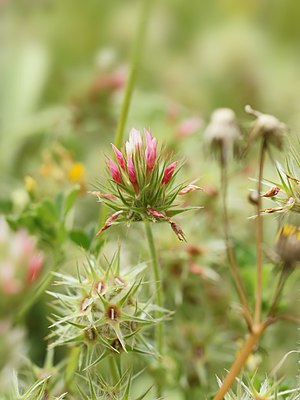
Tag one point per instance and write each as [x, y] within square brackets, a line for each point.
[135, 62]
[259, 239]
[158, 286]
[233, 265]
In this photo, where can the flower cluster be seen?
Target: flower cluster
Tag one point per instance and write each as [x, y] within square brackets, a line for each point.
[102, 311]
[141, 184]
[20, 262]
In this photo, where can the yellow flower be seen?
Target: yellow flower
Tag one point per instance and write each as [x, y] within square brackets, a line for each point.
[30, 183]
[77, 172]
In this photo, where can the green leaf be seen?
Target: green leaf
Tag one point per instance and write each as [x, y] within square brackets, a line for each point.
[80, 238]
[70, 199]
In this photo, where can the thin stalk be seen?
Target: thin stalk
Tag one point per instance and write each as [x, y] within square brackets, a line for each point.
[259, 238]
[278, 292]
[159, 328]
[230, 253]
[240, 360]
[134, 67]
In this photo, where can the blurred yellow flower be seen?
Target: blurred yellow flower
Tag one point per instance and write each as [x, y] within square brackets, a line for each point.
[76, 172]
[30, 183]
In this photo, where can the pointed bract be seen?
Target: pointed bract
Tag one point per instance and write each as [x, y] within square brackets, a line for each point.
[169, 171]
[119, 157]
[131, 172]
[114, 171]
[150, 152]
[134, 143]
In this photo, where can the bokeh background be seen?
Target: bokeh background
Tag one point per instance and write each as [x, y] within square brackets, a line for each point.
[63, 68]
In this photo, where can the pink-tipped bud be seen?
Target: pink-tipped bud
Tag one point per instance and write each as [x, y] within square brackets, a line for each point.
[119, 157]
[150, 152]
[109, 221]
[132, 173]
[134, 142]
[156, 213]
[114, 171]
[169, 171]
[101, 195]
[189, 189]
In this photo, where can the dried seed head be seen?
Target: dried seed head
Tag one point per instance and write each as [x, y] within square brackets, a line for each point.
[268, 127]
[223, 133]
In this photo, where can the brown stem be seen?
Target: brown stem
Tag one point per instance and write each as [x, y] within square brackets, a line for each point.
[230, 252]
[259, 239]
[240, 360]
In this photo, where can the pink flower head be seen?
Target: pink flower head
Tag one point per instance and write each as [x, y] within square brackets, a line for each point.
[109, 221]
[169, 173]
[115, 173]
[134, 142]
[119, 157]
[150, 152]
[132, 173]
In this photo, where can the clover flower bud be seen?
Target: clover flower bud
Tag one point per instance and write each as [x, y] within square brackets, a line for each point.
[115, 173]
[268, 127]
[169, 173]
[223, 133]
[150, 152]
[151, 174]
[119, 157]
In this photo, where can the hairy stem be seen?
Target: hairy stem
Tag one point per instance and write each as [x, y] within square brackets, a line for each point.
[240, 360]
[158, 285]
[134, 67]
[230, 252]
[259, 238]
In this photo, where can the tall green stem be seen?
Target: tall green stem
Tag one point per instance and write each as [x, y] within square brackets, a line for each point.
[159, 332]
[230, 252]
[259, 239]
[135, 61]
